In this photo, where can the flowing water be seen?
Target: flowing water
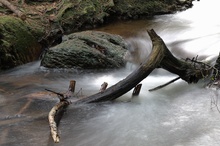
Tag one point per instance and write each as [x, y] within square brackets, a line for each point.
[177, 115]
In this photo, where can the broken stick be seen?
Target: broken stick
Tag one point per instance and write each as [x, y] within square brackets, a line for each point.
[103, 87]
[137, 90]
[58, 107]
[164, 85]
[60, 95]
[51, 118]
[71, 89]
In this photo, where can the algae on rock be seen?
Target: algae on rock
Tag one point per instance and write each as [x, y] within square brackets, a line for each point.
[18, 45]
[87, 50]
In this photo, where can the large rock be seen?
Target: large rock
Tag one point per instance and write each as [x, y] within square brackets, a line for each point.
[17, 45]
[87, 50]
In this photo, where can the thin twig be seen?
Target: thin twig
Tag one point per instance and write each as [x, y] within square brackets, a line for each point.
[161, 86]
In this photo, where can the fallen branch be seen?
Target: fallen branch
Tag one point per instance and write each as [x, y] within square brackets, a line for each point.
[103, 87]
[58, 107]
[215, 78]
[164, 85]
[13, 9]
[136, 90]
[52, 122]
[160, 57]
[59, 95]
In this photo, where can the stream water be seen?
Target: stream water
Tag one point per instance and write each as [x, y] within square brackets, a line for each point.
[177, 115]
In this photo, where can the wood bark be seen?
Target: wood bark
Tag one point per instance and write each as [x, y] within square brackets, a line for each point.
[53, 114]
[72, 86]
[164, 85]
[51, 117]
[103, 87]
[13, 9]
[160, 57]
[137, 90]
[215, 78]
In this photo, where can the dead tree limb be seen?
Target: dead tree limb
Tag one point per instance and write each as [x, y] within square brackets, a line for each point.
[215, 78]
[51, 117]
[164, 85]
[58, 107]
[61, 96]
[160, 57]
[103, 87]
[72, 86]
[136, 90]
[13, 9]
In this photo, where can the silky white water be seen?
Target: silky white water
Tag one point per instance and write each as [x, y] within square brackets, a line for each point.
[177, 115]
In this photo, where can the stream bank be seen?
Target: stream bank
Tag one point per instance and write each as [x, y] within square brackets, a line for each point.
[46, 22]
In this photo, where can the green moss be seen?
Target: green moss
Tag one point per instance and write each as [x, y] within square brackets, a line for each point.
[16, 33]
[89, 9]
[18, 44]
[64, 10]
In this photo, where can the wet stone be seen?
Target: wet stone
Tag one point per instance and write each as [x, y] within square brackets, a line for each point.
[87, 50]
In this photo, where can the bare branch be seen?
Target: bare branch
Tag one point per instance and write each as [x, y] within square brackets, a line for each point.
[52, 122]
[164, 85]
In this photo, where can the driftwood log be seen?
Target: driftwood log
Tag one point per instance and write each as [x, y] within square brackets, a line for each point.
[52, 122]
[160, 57]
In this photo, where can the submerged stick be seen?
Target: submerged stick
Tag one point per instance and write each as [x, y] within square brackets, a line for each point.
[137, 90]
[51, 118]
[164, 85]
[58, 94]
[103, 87]
[72, 86]
[71, 90]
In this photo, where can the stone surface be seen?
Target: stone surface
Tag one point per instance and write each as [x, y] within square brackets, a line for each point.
[17, 46]
[87, 50]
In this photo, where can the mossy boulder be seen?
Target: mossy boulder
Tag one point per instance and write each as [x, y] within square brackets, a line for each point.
[17, 46]
[87, 50]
